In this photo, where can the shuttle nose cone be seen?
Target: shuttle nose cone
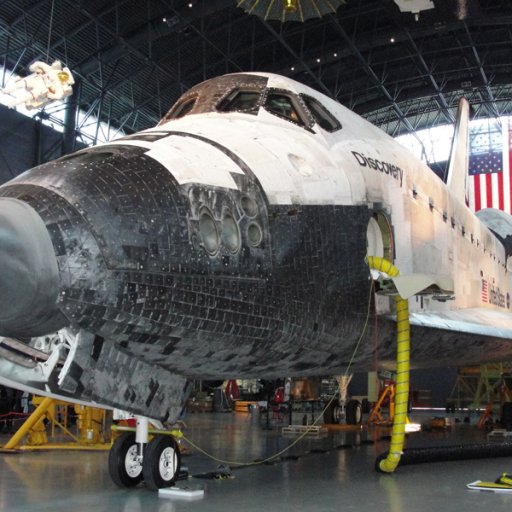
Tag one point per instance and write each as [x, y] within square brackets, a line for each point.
[28, 270]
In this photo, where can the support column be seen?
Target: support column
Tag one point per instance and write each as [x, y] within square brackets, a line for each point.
[69, 135]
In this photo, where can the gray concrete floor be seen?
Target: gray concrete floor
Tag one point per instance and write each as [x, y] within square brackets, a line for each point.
[325, 477]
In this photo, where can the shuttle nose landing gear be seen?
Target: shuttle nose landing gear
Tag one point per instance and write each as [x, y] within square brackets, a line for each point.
[125, 462]
[351, 409]
[350, 412]
[134, 458]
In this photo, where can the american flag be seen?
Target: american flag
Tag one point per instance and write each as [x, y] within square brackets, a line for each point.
[485, 297]
[490, 183]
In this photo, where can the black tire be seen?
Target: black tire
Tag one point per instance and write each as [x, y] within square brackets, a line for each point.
[123, 467]
[162, 461]
[333, 414]
[354, 412]
[338, 414]
[506, 416]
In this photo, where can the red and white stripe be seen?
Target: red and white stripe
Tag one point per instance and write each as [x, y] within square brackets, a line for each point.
[494, 190]
[485, 290]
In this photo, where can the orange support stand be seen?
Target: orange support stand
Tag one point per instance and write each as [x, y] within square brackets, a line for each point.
[376, 417]
[501, 391]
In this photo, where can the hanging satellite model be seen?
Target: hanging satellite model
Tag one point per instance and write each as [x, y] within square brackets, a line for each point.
[290, 10]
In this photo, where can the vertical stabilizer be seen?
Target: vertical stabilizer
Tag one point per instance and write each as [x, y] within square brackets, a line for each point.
[459, 155]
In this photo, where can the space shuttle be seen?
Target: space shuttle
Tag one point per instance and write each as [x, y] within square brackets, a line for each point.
[232, 240]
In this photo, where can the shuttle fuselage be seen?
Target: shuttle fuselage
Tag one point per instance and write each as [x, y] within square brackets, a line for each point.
[230, 241]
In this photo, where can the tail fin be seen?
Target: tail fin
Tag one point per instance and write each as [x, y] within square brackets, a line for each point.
[457, 175]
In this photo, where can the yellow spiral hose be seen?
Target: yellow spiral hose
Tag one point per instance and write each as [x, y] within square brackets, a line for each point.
[390, 463]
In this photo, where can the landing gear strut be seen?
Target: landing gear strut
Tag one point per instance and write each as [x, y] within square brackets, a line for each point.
[134, 458]
[343, 409]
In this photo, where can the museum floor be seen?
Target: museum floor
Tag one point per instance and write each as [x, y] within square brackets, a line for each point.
[331, 473]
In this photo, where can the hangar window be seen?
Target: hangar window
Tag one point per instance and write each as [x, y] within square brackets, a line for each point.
[321, 115]
[240, 101]
[283, 106]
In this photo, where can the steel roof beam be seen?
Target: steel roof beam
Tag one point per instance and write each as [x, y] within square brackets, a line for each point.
[82, 26]
[371, 73]
[483, 75]
[129, 46]
[156, 29]
[208, 41]
[28, 11]
[439, 94]
[299, 60]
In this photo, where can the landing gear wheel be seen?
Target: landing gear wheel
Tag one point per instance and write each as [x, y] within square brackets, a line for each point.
[162, 462]
[338, 414]
[123, 464]
[332, 413]
[354, 412]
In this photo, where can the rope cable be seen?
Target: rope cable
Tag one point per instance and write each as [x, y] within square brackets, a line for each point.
[50, 32]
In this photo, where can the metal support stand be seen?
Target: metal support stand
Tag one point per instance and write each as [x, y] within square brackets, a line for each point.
[36, 431]
[340, 411]
[501, 393]
[376, 417]
[38, 414]
[343, 382]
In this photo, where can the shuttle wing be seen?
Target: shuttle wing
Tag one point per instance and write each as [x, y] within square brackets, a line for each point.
[478, 321]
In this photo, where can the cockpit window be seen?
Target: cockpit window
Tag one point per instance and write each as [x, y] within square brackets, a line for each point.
[321, 115]
[181, 109]
[207, 96]
[240, 101]
[282, 106]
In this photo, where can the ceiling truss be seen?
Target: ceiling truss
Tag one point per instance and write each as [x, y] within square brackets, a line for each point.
[134, 58]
